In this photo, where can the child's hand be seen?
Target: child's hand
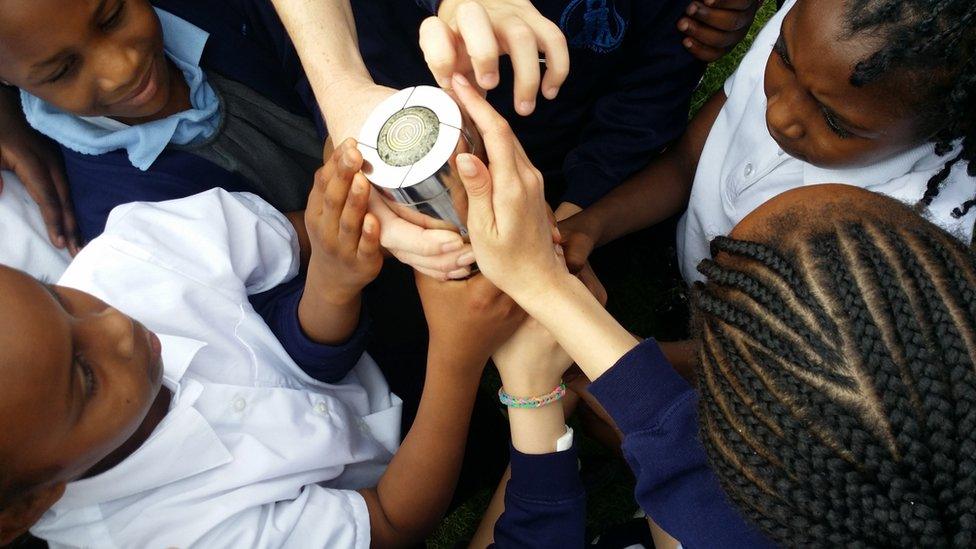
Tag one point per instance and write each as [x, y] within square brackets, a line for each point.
[579, 236]
[344, 238]
[713, 27]
[467, 319]
[508, 217]
[37, 161]
[469, 36]
[531, 363]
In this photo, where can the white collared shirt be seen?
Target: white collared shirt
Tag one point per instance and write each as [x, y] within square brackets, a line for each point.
[741, 167]
[253, 452]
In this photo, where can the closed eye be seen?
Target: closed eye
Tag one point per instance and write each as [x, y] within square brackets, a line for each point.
[89, 381]
[114, 18]
[65, 69]
[835, 126]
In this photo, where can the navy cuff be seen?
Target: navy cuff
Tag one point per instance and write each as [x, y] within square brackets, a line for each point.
[328, 363]
[586, 183]
[545, 477]
[641, 389]
[431, 6]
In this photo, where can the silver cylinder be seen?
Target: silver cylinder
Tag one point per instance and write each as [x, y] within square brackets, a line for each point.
[409, 144]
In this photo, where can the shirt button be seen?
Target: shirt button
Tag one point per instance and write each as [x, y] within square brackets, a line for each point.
[780, 152]
[748, 169]
[363, 426]
[239, 404]
[321, 408]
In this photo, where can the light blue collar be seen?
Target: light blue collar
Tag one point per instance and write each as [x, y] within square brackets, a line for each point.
[183, 43]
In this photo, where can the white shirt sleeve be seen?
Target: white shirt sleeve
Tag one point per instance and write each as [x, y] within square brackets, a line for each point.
[219, 238]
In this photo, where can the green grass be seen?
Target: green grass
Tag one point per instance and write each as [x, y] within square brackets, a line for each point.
[648, 297]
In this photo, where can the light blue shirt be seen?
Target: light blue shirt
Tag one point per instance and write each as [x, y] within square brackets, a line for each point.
[183, 43]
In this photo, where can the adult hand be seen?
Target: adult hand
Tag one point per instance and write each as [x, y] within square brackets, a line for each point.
[349, 103]
[38, 163]
[468, 36]
[468, 319]
[508, 218]
[713, 27]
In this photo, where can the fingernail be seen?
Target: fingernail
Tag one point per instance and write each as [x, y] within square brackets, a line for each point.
[687, 43]
[60, 241]
[489, 79]
[458, 274]
[526, 107]
[444, 83]
[460, 81]
[466, 166]
[551, 93]
[692, 8]
[466, 259]
[683, 26]
[709, 2]
[452, 247]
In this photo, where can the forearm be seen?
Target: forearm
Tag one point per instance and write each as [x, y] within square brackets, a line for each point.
[324, 34]
[661, 189]
[587, 332]
[417, 487]
[327, 315]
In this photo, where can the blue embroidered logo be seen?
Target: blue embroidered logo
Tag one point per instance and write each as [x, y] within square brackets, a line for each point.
[593, 24]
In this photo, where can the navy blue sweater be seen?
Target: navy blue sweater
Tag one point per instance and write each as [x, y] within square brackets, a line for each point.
[656, 410]
[626, 97]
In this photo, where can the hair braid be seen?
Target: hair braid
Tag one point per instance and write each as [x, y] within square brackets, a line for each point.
[936, 40]
[860, 433]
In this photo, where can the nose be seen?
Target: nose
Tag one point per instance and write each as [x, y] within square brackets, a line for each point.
[116, 331]
[783, 114]
[116, 67]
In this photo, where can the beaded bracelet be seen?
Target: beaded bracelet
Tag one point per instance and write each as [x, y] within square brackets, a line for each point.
[532, 402]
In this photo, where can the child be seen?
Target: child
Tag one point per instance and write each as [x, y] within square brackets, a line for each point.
[208, 432]
[837, 351]
[874, 94]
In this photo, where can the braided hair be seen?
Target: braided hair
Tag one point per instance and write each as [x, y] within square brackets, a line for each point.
[838, 384]
[936, 40]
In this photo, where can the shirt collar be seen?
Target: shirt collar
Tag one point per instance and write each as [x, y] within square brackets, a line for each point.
[920, 159]
[182, 445]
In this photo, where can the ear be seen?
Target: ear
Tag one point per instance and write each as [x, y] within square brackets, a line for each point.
[19, 514]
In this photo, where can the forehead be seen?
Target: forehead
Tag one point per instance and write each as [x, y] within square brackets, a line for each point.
[825, 53]
[60, 22]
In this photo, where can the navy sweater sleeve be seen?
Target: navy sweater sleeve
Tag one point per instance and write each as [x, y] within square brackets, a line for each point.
[430, 6]
[329, 363]
[656, 410]
[545, 505]
[647, 109]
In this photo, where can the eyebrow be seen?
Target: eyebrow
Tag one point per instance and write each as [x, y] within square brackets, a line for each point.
[49, 288]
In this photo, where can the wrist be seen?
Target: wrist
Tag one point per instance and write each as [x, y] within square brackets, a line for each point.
[558, 285]
[328, 289]
[529, 384]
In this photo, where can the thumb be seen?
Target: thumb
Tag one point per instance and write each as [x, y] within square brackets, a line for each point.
[577, 255]
[477, 183]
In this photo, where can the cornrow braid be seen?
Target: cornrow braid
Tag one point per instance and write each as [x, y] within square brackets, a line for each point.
[860, 430]
[935, 39]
